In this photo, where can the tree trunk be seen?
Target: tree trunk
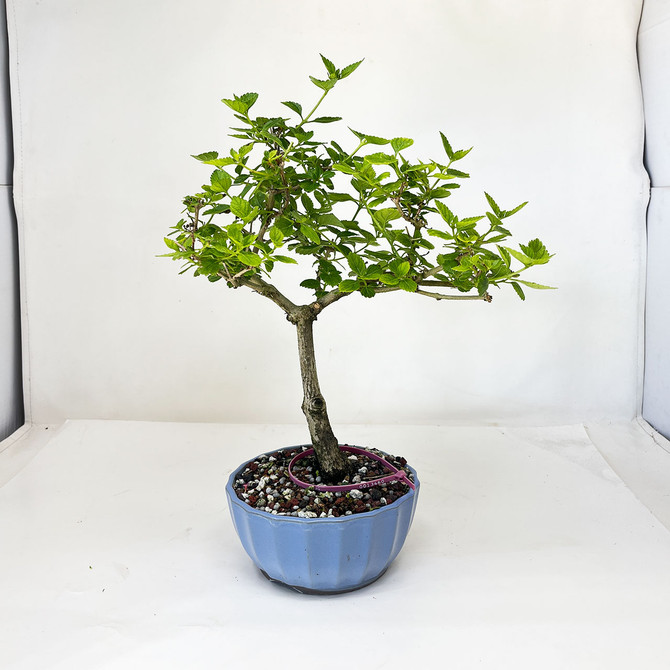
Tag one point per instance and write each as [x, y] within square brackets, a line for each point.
[333, 464]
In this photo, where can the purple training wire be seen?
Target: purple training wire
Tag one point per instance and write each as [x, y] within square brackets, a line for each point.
[398, 475]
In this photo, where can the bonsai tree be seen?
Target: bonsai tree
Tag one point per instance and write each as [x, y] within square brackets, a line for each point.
[371, 219]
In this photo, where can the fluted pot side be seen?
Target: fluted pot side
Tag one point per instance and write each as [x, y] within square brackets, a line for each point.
[323, 554]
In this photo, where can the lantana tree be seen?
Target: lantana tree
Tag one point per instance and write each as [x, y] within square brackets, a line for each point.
[371, 220]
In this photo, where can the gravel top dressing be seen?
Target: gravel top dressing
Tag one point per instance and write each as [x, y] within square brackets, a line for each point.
[264, 484]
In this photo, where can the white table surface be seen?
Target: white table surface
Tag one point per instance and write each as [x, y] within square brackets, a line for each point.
[528, 550]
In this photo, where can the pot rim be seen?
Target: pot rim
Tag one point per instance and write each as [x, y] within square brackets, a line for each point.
[232, 496]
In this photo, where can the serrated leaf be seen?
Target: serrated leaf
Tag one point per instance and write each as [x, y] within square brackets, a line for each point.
[221, 181]
[373, 139]
[348, 285]
[356, 263]
[407, 284]
[462, 153]
[350, 68]
[439, 233]
[249, 258]
[324, 85]
[445, 212]
[249, 99]
[447, 146]
[400, 143]
[399, 268]
[294, 106]
[311, 284]
[284, 259]
[171, 244]
[326, 119]
[519, 290]
[384, 215]
[340, 197]
[310, 233]
[207, 156]
[276, 236]
[329, 65]
[367, 291]
[380, 158]
[494, 205]
[536, 251]
[239, 207]
[515, 210]
[330, 220]
[341, 167]
[236, 105]
[531, 284]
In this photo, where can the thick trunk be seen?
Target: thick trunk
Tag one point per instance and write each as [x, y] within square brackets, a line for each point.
[333, 464]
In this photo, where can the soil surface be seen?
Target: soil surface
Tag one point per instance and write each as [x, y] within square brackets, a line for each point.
[264, 483]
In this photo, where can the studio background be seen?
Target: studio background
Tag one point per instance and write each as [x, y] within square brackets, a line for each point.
[111, 99]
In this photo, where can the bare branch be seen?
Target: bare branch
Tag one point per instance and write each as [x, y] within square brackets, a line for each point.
[271, 292]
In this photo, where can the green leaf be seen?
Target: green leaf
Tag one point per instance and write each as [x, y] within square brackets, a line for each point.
[460, 154]
[519, 290]
[249, 258]
[249, 99]
[515, 210]
[276, 236]
[330, 220]
[457, 173]
[311, 284]
[447, 146]
[439, 233]
[531, 284]
[236, 105]
[384, 215]
[380, 158]
[407, 284]
[482, 284]
[400, 143]
[399, 268]
[357, 264]
[207, 156]
[522, 258]
[536, 251]
[326, 119]
[445, 212]
[332, 70]
[171, 244]
[342, 167]
[340, 197]
[310, 233]
[294, 106]
[284, 259]
[373, 139]
[221, 181]
[239, 207]
[349, 69]
[323, 85]
[367, 291]
[348, 285]
[494, 206]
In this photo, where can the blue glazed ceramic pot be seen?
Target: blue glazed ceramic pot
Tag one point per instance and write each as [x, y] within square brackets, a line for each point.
[323, 555]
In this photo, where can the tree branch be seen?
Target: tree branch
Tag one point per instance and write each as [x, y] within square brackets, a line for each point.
[270, 292]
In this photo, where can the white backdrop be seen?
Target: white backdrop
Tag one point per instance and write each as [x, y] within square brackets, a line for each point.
[111, 98]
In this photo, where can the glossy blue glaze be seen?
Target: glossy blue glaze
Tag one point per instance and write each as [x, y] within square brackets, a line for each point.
[323, 555]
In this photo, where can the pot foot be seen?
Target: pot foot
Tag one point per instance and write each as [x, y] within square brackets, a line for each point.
[319, 592]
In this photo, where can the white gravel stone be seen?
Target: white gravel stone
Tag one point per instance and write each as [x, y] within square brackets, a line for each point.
[307, 515]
